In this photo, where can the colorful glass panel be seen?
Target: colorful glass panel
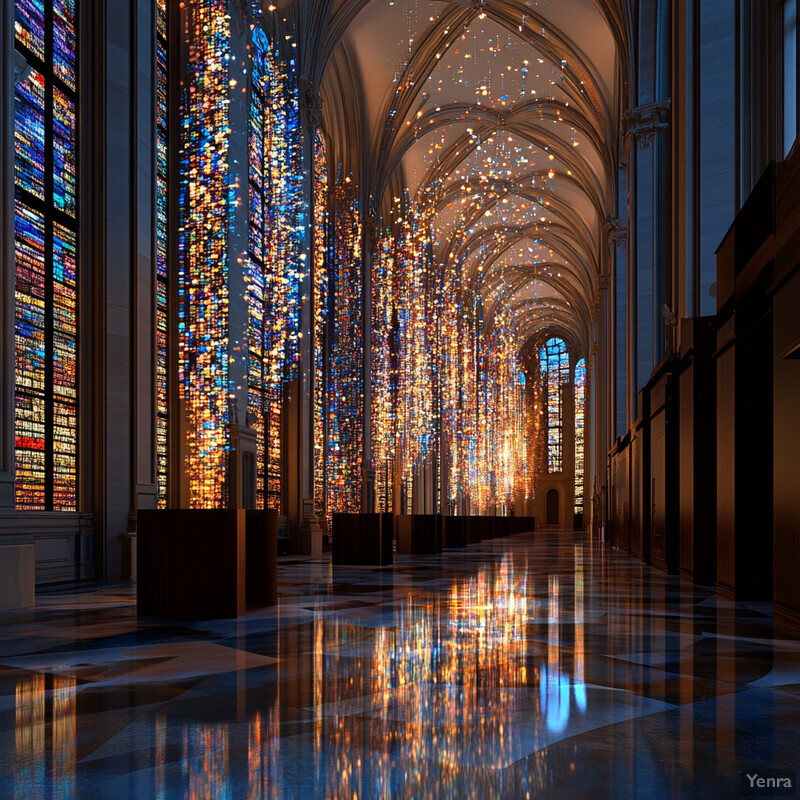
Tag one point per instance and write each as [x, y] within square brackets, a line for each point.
[64, 153]
[554, 365]
[580, 433]
[64, 41]
[277, 258]
[162, 256]
[207, 200]
[45, 255]
[29, 26]
[320, 301]
[29, 134]
[345, 367]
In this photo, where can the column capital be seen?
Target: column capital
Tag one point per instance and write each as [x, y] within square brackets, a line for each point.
[643, 122]
[310, 98]
[617, 231]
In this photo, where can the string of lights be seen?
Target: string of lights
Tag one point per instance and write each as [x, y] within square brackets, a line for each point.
[447, 385]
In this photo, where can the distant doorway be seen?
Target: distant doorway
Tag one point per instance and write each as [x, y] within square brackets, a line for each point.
[552, 506]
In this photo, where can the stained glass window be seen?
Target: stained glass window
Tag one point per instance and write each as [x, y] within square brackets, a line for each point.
[277, 257]
[554, 366]
[580, 425]
[345, 365]
[320, 298]
[45, 257]
[207, 202]
[162, 271]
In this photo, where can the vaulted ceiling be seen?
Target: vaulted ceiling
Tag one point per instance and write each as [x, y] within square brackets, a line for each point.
[504, 114]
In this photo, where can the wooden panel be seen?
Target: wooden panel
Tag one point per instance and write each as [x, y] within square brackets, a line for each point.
[754, 456]
[17, 574]
[473, 530]
[486, 527]
[454, 531]
[664, 472]
[725, 268]
[705, 455]
[262, 557]
[687, 476]
[658, 498]
[360, 539]
[726, 464]
[521, 524]
[634, 508]
[191, 563]
[787, 448]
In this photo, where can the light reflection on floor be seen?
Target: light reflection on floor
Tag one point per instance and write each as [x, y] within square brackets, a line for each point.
[535, 666]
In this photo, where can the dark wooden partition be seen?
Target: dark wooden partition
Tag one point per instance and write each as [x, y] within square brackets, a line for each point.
[419, 534]
[191, 563]
[745, 386]
[664, 467]
[521, 525]
[262, 557]
[698, 445]
[473, 529]
[454, 531]
[486, 527]
[787, 449]
[361, 539]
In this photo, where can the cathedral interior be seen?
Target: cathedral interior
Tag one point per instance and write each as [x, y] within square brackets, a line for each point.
[399, 398]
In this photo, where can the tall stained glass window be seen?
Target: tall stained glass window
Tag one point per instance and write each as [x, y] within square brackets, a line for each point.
[345, 365]
[580, 432]
[277, 260]
[162, 271]
[554, 366]
[320, 298]
[45, 257]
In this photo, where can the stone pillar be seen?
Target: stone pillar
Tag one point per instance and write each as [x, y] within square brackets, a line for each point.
[306, 533]
[227, 215]
[122, 332]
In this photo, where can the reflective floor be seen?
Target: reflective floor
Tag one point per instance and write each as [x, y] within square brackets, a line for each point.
[532, 666]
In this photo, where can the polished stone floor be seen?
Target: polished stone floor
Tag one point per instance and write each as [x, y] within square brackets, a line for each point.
[533, 666]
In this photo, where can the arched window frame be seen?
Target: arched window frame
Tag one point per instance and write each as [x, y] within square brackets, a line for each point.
[554, 367]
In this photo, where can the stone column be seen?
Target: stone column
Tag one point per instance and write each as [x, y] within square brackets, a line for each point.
[299, 404]
[228, 223]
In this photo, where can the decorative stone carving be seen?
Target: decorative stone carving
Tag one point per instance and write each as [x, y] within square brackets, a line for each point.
[617, 231]
[643, 122]
[310, 98]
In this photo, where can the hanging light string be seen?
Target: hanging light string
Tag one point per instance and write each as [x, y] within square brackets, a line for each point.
[445, 380]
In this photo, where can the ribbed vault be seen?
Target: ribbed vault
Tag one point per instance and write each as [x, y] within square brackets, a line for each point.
[502, 114]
